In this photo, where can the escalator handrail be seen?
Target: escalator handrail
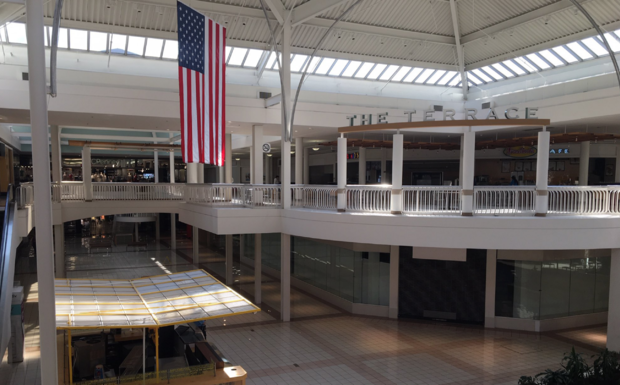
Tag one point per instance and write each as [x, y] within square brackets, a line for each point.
[7, 228]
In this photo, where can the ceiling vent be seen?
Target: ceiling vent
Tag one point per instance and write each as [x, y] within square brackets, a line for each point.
[25, 76]
[437, 108]
[264, 95]
[487, 105]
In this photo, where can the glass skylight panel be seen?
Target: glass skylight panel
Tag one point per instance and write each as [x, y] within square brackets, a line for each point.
[171, 49]
[63, 38]
[374, 74]
[338, 67]
[400, 75]
[298, 62]
[446, 78]
[538, 61]
[313, 64]
[424, 75]
[364, 69]
[153, 47]
[510, 64]
[579, 50]
[595, 47]
[253, 58]
[387, 74]
[237, 56]
[118, 43]
[526, 64]
[412, 75]
[271, 61]
[136, 45]
[503, 70]
[492, 72]
[46, 39]
[551, 58]
[482, 76]
[436, 76]
[473, 79]
[564, 54]
[456, 80]
[613, 42]
[350, 70]
[16, 33]
[79, 39]
[325, 65]
[227, 53]
[98, 42]
[3, 34]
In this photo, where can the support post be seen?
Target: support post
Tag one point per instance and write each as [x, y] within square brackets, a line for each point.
[383, 166]
[397, 174]
[268, 169]
[86, 174]
[542, 174]
[229, 259]
[156, 166]
[59, 250]
[362, 166]
[342, 174]
[192, 173]
[56, 154]
[468, 164]
[285, 75]
[258, 269]
[306, 166]
[195, 247]
[584, 163]
[257, 154]
[394, 271]
[461, 161]
[285, 277]
[228, 178]
[252, 163]
[299, 160]
[201, 173]
[42, 194]
[173, 216]
[285, 176]
[613, 322]
[489, 294]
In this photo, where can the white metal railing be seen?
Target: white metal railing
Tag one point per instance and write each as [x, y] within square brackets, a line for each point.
[263, 195]
[432, 200]
[215, 194]
[25, 195]
[67, 191]
[369, 199]
[582, 200]
[512, 200]
[320, 197]
[137, 191]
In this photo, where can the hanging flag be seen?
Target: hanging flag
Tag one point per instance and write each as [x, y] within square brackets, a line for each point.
[202, 87]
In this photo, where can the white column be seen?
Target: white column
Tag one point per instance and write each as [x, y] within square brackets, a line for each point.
[192, 173]
[285, 75]
[42, 194]
[285, 175]
[200, 173]
[228, 178]
[56, 154]
[397, 174]
[86, 174]
[258, 269]
[229, 259]
[195, 247]
[584, 163]
[613, 322]
[59, 250]
[285, 277]
[394, 262]
[617, 179]
[299, 163]
[341, 161]
[383, 166]
[489, 293]
[173, 219]
[268, 170]
[542, 174]
[172, 167]
[257, 154]
[156, 166]
[468, 164]
[362, 166]
[306, 166]
[461, 161]
[251, 164]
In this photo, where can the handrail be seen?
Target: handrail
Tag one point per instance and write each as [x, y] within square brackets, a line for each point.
[511, 200]
[6, 273]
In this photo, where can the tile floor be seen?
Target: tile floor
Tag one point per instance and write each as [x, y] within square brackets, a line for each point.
[322, 345]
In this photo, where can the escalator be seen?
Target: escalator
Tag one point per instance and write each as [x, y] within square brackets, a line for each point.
[7, 266]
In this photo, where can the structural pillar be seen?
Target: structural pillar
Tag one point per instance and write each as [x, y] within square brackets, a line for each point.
[192, 173]
[542, 173]
[228, 178]
[156, 166]
[342, 174]
[362, 166]
[285, 176]
[195, 247]
[306, 166]
[229, 259]
[613, 322]
[268, 169]
[468, 164]
[461, 161]
[397, 174]
[383, 166]
[87, 174]
[257, 154]
[42, 194]
[56, 154]
[252, 164]
[173, 216]
[489, 293]
[59, 250]
[584, 163]
[394, 264]
[201, 173]
[299, 160]
[285, 76]
[258, 269]
[285, 277]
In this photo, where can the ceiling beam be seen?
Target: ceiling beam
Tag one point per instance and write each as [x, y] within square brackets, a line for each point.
[459, 48]
[9, 12]
[518, 20]
[312, 9]
[278, 10]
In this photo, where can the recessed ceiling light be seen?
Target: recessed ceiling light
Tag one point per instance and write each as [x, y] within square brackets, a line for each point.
[292, 152]
[270, 155]
[237, 159]
[315, 149]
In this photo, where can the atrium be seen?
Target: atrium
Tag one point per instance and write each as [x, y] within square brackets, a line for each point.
[365, 191]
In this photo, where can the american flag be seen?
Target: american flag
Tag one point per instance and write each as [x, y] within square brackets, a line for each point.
[202, 87]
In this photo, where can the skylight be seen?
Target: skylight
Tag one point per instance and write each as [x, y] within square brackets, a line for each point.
[564, 54]
[436, 76]
[237, 56]
[153, 47]
[594, 46]
[171, 49]
[79, 39]
[119, 43]
[98, 42]
[538, 61]
[350, 70]
[490, 71]
[63, 41]
[500, 68]
[514, 67]
[387, 74]
[579, 50]
[363, 71]
[551, 58]
[424, 75]
[613, 42]
[400, 75]
[253, 58]
[482, 76]
[376, 71]
[412, 75]
[325, 65]
[448, 76]
[136, 45]
[298, 62]
[338, 67]
[16, 33]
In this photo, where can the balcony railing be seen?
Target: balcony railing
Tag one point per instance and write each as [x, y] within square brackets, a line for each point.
[416, 200]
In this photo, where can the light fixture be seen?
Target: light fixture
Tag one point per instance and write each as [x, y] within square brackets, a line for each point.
[292, 152]
[315, 149]
[237, 159]
[269, 155]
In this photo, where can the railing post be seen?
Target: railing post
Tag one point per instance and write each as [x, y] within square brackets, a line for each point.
[468, 163]
[397, 174]
[86, 174]
[542, 174]
[342, 174]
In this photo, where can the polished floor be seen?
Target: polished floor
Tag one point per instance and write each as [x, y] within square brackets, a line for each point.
[322, 345]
